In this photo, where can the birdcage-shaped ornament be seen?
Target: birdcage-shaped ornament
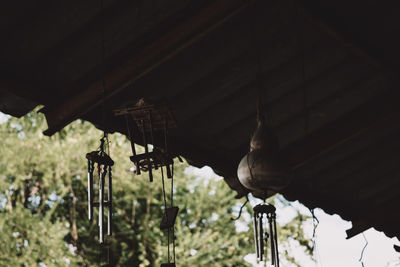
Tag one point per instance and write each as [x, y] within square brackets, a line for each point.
[150, 121]
[146, 121]
[100, 163]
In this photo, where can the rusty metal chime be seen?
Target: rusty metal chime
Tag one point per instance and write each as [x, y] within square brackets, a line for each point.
[100, 160]
[150, 120]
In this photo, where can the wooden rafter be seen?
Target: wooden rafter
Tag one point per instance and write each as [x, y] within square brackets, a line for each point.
[158, 52]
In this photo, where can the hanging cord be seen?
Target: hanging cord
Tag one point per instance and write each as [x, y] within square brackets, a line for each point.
[241, 209]
[172, 186]
[102, 65]
[362, 252]
[163, 188]
[261, 92]
[131, 141]
[101, 247]
[315, 226]
[105, 143]
[165, 206]
[172, 204]
[275, 240]
[109, 256]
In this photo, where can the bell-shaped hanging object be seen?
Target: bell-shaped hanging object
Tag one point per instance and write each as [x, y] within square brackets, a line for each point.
[262, 171]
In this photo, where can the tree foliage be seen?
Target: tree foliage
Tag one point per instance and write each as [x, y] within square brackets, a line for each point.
[43, 206]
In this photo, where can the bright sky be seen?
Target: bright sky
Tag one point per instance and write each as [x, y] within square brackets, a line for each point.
[3, 117]
[332, 247]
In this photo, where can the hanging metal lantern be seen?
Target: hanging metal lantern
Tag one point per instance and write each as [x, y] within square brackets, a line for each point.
[262, 171]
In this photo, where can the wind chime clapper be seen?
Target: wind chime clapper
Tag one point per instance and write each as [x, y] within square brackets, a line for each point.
[104, 164]
[169, 218]
[150, 120]
[261, 236]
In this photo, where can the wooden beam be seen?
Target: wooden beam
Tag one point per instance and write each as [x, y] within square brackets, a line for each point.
[379, 216]
[343, 129]
[239, 121]
[341, 39]
[158, 52]
[16, 97]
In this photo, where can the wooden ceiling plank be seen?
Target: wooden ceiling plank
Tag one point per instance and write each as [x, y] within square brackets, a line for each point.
[371, 141]
[342, 40]
[149, 58]
[342, 130]
[273, 104]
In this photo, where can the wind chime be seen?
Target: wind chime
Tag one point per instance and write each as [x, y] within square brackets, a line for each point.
[148, 121]
[263, 172]
[99, 162]
[261, 236]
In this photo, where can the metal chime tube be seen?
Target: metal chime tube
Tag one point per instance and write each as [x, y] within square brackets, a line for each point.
[146, 150]
[109, 195]
[167, 167]
[132, 144]
[256, 235]
[90, 189]
[272, 238]
[103, 173]
[276, 241]
[261, 236]
[152, 134]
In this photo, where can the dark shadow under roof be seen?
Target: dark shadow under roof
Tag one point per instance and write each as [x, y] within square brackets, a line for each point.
[328, 72]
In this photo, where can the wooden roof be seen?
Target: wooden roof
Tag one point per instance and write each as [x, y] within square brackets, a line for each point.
[328, 69]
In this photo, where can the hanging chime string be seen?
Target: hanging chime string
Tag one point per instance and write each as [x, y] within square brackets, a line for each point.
[241, 209]
[129, 133]
[102, 66]
[258, 33]
[172, 185]
[362, 252]
[172, 204]
[276, 240]
[315, 225]
[105, 142]
[100, 255]
[165, 206]
[272, 238]
[163, 189]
